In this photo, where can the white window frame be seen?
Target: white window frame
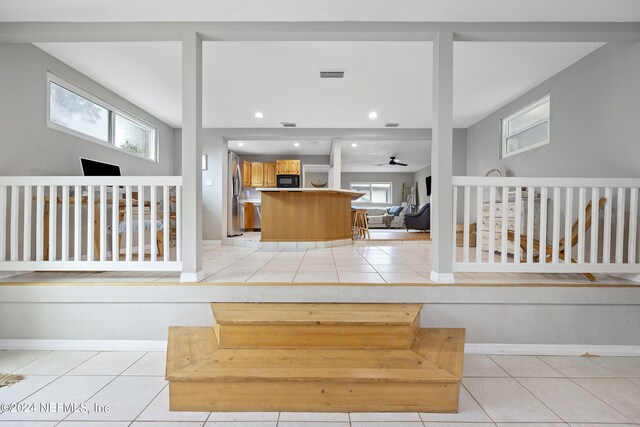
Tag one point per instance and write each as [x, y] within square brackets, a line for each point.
[113, 110]
[351, 184]
[505, 126]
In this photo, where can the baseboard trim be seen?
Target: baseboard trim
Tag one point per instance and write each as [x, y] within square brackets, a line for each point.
[192, 277]
[95, 345]
[552, 349]
[470, 348]
[442, 277]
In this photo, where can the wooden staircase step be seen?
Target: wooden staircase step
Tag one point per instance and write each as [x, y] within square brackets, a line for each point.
[204, 377]
[329, 326]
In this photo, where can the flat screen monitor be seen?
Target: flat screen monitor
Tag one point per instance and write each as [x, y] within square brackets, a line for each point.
[428, 186]
[96, 168]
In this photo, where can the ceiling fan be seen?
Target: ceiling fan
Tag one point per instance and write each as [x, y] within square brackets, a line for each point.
[393, 162]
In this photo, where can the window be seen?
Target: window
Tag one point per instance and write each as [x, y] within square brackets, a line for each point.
[527, 128]
[79, 113]
[375, 192]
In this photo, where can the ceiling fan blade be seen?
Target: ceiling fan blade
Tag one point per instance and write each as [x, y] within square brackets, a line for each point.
[381, 164]
[401, 164]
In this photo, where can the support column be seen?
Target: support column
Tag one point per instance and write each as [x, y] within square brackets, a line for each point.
[191, 158]
[335, 164]
[442, 160]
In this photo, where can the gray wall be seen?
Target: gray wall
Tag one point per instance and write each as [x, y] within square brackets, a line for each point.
[510, 315]
[595, 131]
[32, 148]
[419, 177]
[396, 178]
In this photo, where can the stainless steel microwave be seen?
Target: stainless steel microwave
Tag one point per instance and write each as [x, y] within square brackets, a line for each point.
[288, 181]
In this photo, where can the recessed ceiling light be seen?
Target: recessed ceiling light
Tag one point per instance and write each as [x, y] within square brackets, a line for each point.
[354, 145]
[297, 144]
[258, 115]
[240, 144]
[373, 115]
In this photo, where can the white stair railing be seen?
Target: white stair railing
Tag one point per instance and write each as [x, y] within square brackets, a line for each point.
[583, 225]
[90, 223]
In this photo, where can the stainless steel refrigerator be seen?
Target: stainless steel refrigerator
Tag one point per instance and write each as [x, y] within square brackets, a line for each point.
[235, 215]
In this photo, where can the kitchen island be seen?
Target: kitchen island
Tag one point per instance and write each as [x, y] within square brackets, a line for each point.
[306, 214]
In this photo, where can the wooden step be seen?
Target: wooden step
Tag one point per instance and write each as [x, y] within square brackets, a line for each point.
[204, 377]
[329, 326]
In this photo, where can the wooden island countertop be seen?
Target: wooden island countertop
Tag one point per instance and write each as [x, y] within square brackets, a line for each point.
[306, 214]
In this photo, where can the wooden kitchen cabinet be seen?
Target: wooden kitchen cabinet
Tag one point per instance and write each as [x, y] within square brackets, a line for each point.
[246, 174]
[257, 174]
[248, 216]
[288, 167]
[294, 167]
[269, 175]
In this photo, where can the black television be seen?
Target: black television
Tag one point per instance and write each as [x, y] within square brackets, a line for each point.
[428, 179]
[96, 168]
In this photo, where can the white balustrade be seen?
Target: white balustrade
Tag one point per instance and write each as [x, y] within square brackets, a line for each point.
[580, 225]
[79, 223]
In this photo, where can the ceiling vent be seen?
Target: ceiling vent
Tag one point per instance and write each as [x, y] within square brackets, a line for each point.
[331, 74]
[288, 124]
[391, 125]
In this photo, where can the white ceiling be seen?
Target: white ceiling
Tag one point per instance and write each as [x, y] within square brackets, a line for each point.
[281, 79]
[282, 148]
[368, 154]
[309, 10]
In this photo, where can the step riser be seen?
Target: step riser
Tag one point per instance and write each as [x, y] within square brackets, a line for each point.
[317, 336]
[252, 396]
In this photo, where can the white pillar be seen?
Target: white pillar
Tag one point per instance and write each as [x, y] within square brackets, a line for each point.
[442, 160]
[335, 164]
[191, 158]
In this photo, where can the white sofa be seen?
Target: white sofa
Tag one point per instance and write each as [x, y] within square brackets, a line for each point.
[378, 217]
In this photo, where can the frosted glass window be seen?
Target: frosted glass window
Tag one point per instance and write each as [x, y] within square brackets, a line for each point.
[134, 137]
[527, 128]
[81, 114]
[77, 113]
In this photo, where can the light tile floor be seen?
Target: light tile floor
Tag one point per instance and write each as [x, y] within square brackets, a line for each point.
[405, 262]
[514, 391]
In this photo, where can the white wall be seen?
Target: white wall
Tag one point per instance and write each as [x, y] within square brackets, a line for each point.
[30, 147]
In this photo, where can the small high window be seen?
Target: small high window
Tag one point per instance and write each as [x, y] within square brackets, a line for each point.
[79, 113]
[375, 192]
[527, 128]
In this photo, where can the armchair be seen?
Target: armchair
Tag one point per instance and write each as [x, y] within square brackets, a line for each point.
[420, 220]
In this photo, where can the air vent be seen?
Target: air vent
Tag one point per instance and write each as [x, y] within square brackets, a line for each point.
[391, 125]
[331, 74]
[288, 124]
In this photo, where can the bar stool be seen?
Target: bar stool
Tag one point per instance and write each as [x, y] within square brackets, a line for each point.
[361, 224]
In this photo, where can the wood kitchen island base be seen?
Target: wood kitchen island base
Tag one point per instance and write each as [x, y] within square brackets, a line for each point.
[306, 214]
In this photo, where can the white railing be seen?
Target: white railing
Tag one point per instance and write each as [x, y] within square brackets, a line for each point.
[90, 223]
[582, 225]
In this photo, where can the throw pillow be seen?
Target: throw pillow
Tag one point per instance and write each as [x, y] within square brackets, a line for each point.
[395, 210]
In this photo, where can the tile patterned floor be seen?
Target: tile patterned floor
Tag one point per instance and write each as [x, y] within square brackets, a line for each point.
[399, 262]
[518, 391]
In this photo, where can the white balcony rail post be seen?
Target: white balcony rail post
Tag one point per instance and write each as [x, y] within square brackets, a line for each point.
[523, 215]
[59, 198]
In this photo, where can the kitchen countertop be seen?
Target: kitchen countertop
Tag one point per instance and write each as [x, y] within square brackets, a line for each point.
[300, 190]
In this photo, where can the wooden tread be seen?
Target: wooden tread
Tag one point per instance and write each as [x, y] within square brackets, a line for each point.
[315, 314]
[328, 326]
[203, 376]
